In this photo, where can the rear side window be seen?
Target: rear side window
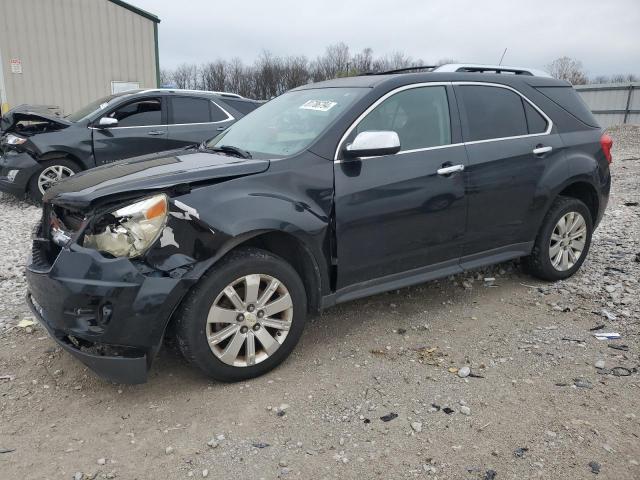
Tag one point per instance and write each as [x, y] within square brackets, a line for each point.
[569, 100]
[420, 117]
[142, 113]
[492, 112]
[190, 110]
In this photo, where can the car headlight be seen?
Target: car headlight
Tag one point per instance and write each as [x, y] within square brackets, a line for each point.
[129, 231]
[15, 140]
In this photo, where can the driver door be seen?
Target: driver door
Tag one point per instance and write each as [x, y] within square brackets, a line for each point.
[141, 129]
[396, 213]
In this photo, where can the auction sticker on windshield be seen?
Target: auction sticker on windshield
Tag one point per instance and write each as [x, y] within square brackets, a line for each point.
[319, 105]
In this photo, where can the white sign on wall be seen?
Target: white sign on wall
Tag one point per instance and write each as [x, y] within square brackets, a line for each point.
[16, 65]
[119, 87]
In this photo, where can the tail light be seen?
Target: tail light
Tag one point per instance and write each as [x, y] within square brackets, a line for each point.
[606, 142]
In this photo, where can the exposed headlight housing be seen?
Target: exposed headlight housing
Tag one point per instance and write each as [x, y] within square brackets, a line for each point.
[15, 139]
[129, 231]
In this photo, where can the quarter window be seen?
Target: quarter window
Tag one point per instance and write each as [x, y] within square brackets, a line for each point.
[420, 117]
[535, 121]
[492, 112]
[138, 114]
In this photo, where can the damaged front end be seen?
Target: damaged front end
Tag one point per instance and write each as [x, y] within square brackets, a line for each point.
[105, 282]
[27, 120]
[18, 154]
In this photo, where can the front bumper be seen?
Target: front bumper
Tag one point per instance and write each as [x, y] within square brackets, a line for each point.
[104, 311]
[22, 166]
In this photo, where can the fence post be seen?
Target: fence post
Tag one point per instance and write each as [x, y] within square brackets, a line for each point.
[626, 110]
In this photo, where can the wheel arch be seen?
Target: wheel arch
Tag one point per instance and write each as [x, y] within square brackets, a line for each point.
[45, 157]
[585, 192]
[295, 252]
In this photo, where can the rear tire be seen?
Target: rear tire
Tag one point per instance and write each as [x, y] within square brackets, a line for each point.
[563, 241]
[52, 171]
[236, 340]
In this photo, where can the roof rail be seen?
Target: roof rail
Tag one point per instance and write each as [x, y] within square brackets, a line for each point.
[480, 68]
[222, 94]
[404, 70]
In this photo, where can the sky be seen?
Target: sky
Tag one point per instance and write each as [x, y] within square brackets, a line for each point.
[603, 35]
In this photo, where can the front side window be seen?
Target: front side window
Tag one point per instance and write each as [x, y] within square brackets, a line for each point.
[492, 112]
[142, 113]
[91, 109]
[290, 123]
[420, 117]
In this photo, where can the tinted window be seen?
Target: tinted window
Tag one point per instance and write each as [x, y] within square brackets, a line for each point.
[492, 112]
[568, 99]
[242, 105]
[535, 121]
[420, 117]
[142, 113]
[190, 110]
[217, 115]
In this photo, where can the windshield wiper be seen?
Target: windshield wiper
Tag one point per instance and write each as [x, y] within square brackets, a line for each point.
[230, 149]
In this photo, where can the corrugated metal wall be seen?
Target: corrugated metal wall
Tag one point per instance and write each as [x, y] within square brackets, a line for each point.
[71, 50]
[612, 104]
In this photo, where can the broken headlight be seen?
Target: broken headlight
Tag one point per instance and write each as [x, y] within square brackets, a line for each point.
[15, 139]
[129, 231]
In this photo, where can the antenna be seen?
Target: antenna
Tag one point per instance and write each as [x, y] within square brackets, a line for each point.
[502, 57]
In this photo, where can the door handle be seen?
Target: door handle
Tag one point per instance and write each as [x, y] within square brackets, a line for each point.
[221, 129]
[450, 170]
[155, 132]
[541, 150]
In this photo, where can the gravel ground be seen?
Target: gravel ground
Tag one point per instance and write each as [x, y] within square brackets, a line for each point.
[375, 389]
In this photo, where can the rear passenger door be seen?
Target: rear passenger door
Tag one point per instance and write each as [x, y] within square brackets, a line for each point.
[193, 120]
[511, 145]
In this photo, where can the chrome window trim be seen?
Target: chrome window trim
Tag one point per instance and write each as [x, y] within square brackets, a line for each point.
[357, 121]
[538, 109]
[473, 142]
[228, 119]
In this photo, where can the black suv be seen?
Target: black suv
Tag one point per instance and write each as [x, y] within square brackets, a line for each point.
[330, 192]
[38, 148]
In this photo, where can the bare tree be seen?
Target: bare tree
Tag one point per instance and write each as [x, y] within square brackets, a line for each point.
[186, 76]
[569, 69]
[362, 62]
[214, 75]
[333, 63]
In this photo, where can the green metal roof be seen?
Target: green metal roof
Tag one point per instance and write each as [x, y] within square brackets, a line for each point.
[137, 10]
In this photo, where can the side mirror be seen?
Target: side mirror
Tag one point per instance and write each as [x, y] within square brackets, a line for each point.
[106, 122]
[373, 144]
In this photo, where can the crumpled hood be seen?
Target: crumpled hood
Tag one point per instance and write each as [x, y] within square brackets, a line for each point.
[34, 113]
[147, 173]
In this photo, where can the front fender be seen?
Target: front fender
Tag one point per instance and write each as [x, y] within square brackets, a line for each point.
[201, 230]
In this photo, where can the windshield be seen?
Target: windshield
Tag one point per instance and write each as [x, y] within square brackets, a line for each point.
[87, 110]
[288, 124]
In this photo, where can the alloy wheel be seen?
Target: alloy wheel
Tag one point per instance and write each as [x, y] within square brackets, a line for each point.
[567, 241]
[52, 175]
[249, 320]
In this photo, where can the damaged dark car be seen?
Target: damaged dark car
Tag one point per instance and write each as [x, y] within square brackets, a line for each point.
[331, 192]
[39, 148]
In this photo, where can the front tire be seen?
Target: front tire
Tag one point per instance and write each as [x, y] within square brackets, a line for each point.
[52, 172]
[563, 241]
[244, 317]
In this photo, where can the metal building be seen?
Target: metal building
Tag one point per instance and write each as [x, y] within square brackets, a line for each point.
[66, 53]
